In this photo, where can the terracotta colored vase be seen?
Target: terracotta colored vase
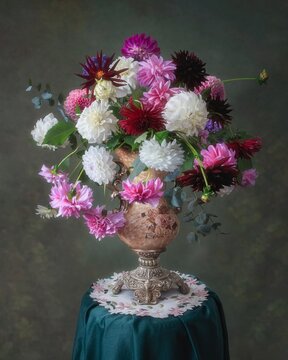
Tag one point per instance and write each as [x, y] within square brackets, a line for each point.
[148, 230]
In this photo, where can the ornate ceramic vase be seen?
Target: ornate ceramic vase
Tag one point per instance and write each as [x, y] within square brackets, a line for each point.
[148, 231]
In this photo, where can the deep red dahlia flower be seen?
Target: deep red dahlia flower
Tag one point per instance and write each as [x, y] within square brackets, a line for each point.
[98, 68]
[136, 120]
[245, 148]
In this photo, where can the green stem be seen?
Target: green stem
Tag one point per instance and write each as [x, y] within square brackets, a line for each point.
[75, 168]
[78, 177]
[66, 157]
[195, 153]
[239, 79]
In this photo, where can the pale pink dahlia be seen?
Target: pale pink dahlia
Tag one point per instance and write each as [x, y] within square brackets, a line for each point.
[155, 69]
[146, 193]
[159, 94]
[76, 98]
[140, 47]
[69, 199]
[102, 223]
[249, 177]
[51, 175]
[216, 86]
[218, 155]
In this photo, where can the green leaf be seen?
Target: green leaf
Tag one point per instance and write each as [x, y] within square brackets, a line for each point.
[188, 164]
[176, 200]
[216, 225]
[36, 101]
[39, 86]
[130, 140]
[46, 95]
[138, 167]
[141, 138]
[116, 110]
[192, 236]
[172, 176]
[161, 135]
[204, 229]
[73, 141]
[202, 218]
[192, 204]
[59, 133]
[113, 142]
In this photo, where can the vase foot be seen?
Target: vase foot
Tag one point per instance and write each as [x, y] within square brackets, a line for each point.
[149, 280]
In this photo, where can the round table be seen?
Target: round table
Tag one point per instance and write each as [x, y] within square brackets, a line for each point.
[196, 334]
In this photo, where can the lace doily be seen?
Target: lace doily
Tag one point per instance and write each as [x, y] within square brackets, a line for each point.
[172, 302]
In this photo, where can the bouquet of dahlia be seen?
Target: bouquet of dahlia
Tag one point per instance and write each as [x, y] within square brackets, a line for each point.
[171, 114]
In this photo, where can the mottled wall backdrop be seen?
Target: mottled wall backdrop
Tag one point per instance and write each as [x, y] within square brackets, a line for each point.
[46, 266]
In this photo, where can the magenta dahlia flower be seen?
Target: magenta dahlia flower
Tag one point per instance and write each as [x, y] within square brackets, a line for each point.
[249, 177]
[155, 69]
[216, 155]
[51, 175]
[159, 94]
[76, 98]
[215, 85]
[146, 193]
[69, 199]
[102, 223]
[140, 47]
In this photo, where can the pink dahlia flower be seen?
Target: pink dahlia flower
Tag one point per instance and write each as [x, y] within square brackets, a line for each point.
[216, 86]
[76, 98]
[69, 199]
[146, 193]
[159, 94]
[51, 175]
[218, 155]
[140, 47]
[249, 177]
[102, 223]
[155, 69]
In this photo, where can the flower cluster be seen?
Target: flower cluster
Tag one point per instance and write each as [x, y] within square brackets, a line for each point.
[169, 113]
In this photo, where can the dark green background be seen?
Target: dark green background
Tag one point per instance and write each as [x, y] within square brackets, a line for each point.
[47, 266]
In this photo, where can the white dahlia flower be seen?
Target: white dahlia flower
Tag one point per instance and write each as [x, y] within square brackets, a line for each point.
[99, 165]
[165, 156]
[129, 75]
[41, 128]
[105, 90]
[186, 112]
[96, 122]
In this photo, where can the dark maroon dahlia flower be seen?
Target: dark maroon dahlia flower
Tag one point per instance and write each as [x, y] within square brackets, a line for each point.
[190, 70]
[217, 178]
[99, 67]
[219, 111]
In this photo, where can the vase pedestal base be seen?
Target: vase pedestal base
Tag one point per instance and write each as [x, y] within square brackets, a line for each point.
[149, 279]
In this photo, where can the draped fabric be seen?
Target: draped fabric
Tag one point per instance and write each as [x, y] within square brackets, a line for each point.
[198, 334]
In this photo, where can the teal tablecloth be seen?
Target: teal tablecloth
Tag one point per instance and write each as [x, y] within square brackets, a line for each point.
[198, 334]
